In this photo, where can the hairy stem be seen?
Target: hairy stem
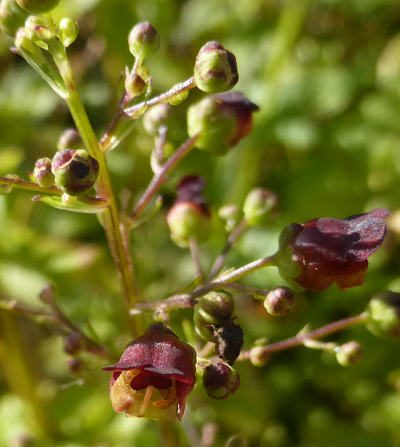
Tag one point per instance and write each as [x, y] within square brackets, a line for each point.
[160, 177]
[303, 337]
[233, 237]
[16, 183]
[110, 218]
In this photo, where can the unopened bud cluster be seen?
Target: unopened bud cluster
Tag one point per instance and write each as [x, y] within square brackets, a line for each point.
[214, 321]
[74, 171]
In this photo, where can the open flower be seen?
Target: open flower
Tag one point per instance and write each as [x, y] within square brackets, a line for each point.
[154, 375]
[325, 251]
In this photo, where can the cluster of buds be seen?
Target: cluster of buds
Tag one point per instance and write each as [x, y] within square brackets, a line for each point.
[321, 252]
[74, 171]
[153, 376]
[220, 121]
[189, 218]
[215, 322]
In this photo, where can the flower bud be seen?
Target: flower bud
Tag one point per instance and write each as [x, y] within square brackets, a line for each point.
[12, 17]
[230, 215]
[74, 343]
[42, 172]
[212, 310]
[384, 314]
[143, 40]
[279, 301]
[190, 216]
[215, 69]
[134, 84]
[324, 251]
[220, 380]
[259, 206]
[221, 121]
[259, 356]
[228, 341]
[68, 31]
[75, 170]
[37, 6]
[349, 353]
[69, 139]
[157, 116]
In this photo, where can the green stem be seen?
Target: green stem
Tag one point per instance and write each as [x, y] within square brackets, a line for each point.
[160, 177]
[17, 183]
[302, 338]
[110, 218]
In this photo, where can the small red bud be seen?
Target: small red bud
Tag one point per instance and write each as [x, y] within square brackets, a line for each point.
[279, 301]
[220, 380]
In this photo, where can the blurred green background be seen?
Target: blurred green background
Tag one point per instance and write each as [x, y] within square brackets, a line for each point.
[326, 76]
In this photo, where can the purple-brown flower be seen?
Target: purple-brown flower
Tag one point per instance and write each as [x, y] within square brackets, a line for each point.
[324, 251]
[154, 375]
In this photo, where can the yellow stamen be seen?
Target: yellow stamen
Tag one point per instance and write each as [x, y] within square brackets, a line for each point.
[146, 400]
[169, 400]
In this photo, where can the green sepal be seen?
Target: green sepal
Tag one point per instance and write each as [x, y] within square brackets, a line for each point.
[82, 204]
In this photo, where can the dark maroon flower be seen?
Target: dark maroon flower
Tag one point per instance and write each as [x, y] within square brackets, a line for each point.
[325, 251]
[154, 375]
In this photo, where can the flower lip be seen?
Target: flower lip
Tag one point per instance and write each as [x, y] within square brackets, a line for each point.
[334, 250]
[156, 359]
[324, 251]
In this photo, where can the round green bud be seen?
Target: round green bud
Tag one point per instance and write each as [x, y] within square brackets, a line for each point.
[212, 310]
[259, 205]
[188, 220]
[134, 85]
[384, 314]
[143, 40]
[279, 301]
[69, 139]
[349, 353]
[259, 356]
[220, 121]
[215, 69]
[157, 116]
[75, 170]
[220, 380]
[68, 31]
[12, 17]
[37, 6]
[42, 172]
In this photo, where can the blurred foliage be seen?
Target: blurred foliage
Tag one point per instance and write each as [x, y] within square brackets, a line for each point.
[326, 76]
